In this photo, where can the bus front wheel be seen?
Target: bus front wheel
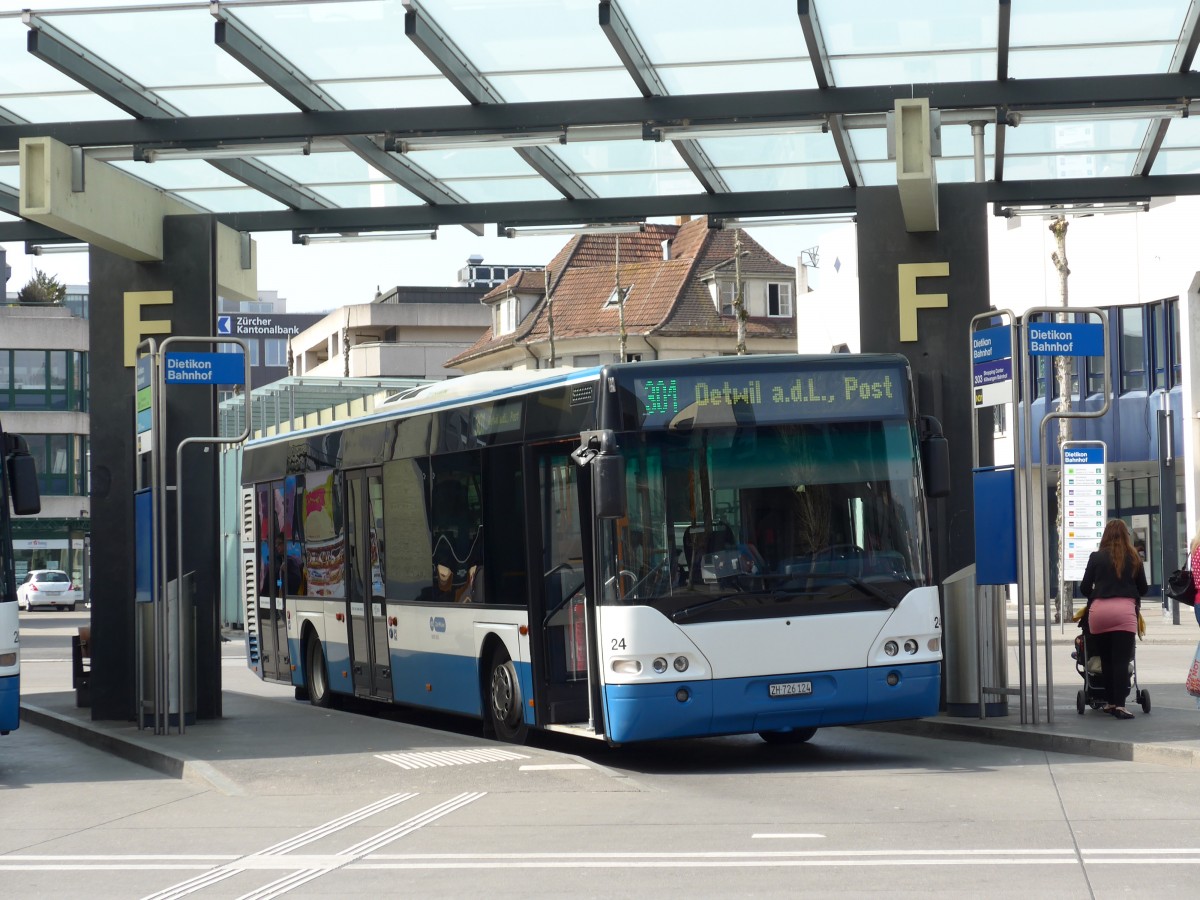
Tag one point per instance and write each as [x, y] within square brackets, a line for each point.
[505, 706]
[795, 736]
[316, 680]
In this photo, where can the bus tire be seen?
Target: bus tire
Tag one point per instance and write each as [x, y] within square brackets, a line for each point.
[506, 708]
[795, 736]
[316, 679]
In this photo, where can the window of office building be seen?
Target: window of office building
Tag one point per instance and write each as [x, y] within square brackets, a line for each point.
[1133, 349]
[43, 380]
[275, 351]
[61, 461]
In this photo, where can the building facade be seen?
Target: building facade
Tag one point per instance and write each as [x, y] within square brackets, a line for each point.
[669, 289]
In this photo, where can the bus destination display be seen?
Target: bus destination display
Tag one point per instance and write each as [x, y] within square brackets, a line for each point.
[770, 397]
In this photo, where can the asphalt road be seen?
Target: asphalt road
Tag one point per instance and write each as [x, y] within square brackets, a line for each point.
[854, 812]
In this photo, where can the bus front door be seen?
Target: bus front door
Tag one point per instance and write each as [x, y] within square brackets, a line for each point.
[564, 512]
[370, 659]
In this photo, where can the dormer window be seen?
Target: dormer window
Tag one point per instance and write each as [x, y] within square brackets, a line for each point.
[504, 316]
[613, 299]
[723, 294]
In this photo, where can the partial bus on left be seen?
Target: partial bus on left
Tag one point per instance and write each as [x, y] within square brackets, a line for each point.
[18, 496]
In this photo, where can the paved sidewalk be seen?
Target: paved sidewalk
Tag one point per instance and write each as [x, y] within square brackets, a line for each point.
[222, 752]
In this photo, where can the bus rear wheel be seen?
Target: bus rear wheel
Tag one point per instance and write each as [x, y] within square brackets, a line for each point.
[795, 736]
[316, 679]
[506, 708]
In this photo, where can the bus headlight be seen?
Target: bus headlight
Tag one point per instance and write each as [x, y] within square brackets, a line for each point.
[891, 648]
[681, 664]
[910, 646]
[660, 664]
[7, 659]
[627, 666]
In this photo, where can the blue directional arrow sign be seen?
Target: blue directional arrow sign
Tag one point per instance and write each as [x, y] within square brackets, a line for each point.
[204, 368]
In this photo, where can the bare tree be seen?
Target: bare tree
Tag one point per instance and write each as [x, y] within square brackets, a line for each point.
[1062, 375]
[739, 303]
[622, 334]
[549, 314]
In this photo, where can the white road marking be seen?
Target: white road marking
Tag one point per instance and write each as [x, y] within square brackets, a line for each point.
[430, 759]
[553, 767]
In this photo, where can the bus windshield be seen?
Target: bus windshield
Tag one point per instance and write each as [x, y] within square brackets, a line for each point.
[768, 520]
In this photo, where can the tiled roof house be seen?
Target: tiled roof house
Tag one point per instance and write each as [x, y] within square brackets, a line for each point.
[679, 285]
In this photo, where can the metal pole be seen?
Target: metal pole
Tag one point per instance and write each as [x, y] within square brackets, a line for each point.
[1027, 592]
[977, 140]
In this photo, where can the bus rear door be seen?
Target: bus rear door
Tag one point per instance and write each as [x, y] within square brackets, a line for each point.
[369, 657]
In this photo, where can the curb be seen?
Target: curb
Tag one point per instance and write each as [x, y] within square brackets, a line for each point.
[1127, 751]
[164, 763]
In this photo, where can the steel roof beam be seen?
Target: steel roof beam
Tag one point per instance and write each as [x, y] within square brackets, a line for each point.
[1181, 61]
[504, 118]
[814, 39]
[429, 38]
[79, 64]
[1003, 22]
[255, 54]
[616, 28]
[10, 200]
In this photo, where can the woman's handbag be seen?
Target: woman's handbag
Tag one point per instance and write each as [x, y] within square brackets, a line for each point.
[1193, 679]
[1182, 587]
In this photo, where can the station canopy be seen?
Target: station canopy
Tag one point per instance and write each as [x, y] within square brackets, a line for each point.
[325, 117]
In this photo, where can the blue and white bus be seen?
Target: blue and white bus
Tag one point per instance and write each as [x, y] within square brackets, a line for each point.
[18, 493]
[630, 552]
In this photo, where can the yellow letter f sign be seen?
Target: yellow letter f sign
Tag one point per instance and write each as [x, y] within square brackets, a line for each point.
[911, 301]
[135, 328]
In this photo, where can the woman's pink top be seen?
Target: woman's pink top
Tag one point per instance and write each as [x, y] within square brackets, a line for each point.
[1112, 614]
[1194, 565]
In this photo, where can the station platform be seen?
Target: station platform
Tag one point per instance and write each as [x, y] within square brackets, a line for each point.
[224, 751]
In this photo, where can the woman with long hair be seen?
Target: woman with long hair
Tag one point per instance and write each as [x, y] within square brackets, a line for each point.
[1114, 583]
[1194, 566]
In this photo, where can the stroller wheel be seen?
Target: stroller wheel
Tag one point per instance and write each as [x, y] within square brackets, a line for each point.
[1143, 699]
[1079, 704]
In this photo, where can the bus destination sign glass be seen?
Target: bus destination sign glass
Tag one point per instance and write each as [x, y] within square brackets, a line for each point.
[770, 396]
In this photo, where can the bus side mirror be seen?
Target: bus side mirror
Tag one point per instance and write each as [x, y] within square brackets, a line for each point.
[22, 477]
[608, 481]
[598, 449]
[935, 458]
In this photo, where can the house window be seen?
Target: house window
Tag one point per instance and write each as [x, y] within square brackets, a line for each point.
[779, 299]
[504, 316]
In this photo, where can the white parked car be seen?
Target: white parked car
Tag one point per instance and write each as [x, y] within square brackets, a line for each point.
[47, 587]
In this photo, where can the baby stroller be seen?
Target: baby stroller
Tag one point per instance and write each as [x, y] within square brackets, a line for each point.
[1090, 670]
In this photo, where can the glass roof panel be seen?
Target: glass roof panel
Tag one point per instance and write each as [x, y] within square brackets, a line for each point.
[156, 48]
[1183, 133]
[325, 168]
[727, 78]
[770, 149]
[226, 101]
[1038, 24]
[1068, 165]
[5, 217]
[503, 190]
[707, 31]
[644, 184]
[176, 174]
[518, 35]
[785, 178]
[231, 200]
[884, 27]
[619, 156]
[473, 162]
[588, 85]
[1081, 61]
[73, 107]
[388, 93]
[863, 70]
[339, 40]
[1177, 162]
[1048, 137]
[374, 194]
[22, 71]
[871, 143]
[10, 175]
